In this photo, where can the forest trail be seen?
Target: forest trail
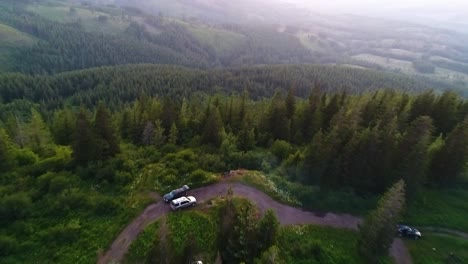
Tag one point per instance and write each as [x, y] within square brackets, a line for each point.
[287, 215]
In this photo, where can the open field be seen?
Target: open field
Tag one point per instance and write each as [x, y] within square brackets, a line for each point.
[438, 248]
[442, 208]
[388, 63]
[220, 40]
[63, 13]
[11, 38]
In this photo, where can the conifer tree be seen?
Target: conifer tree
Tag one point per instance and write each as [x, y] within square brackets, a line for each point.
[449, 162]
[6, 159]
[107, 142]
[414, 155]
[83, 144]
[38, 136]
[377, 231]
[173, 135]
[213, 128]
[63, 126]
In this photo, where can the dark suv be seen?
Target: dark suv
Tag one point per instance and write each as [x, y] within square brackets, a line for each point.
[177, 193]
[406, 231]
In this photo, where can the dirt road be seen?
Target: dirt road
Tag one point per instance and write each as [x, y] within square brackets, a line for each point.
[287, 215]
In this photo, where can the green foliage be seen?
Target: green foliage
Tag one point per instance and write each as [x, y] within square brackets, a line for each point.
[15, 207]
[281, 149]
[192, 229]
[438, 248]
[439, 207]
[313, 244]
[142, 245]
[8, 245]
[378, 230]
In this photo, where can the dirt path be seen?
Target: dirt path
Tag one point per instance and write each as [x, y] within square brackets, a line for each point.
[287, 215]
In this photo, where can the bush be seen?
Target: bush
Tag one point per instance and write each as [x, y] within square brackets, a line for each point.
[8, 245]
[15, 207]
[62, 234]
[105, 206]
[281, 149]
[25, 157]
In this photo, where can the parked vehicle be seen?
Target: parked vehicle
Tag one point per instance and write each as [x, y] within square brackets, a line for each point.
[406, 231]
[183, 202]
[177, 193]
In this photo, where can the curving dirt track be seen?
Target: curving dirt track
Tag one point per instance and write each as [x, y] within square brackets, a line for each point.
[287, 215]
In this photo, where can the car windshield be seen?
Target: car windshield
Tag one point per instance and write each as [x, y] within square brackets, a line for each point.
[171, 194]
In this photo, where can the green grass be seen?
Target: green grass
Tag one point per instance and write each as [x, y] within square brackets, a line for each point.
[192, 227]
[440, 208]
[60, 12]
[141, 247]
[388, 63]
[11, 38]
[436, 248]
[221, 40]
[261, 182]
[315, 244]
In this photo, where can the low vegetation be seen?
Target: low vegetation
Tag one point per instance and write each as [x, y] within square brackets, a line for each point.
[438, 248]
[440, 208]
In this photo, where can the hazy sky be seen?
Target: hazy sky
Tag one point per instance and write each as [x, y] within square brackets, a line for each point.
[379, 4]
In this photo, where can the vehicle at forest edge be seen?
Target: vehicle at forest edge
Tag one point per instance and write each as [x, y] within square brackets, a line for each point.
[406, 231]
[176, 193]
[183, 202]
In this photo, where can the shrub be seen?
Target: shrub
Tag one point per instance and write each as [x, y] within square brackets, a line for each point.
[8, 245]
[25, 157]
[105, 206]
[62, 234]
[281, 149]
[14, 207]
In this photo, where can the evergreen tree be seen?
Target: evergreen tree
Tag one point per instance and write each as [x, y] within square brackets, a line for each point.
[449, 162]
[173, 135]
[414, 155]
[242, 244]
[107, 142]
[148, 134]
[6, 159]
[38, 136]
[159, 137]
[83, 144]
[267, 230]
[63, 126]
[377, 231]
[213, 128]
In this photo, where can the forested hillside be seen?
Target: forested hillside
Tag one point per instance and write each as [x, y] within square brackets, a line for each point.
[119, 85]
[67, 171]
[63, 35]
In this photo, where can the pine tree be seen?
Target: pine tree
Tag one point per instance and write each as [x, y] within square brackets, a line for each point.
[148, 134]
[159, 137]
[38, 136]
[6, 159]
[107, 142]
[414, 155]
[449, 162]
[267, 230]
[83, 145]
[63, 126]
[377, 231]
[173, 135]
[213, 128]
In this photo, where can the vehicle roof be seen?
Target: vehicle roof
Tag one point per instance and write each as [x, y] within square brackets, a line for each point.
[181, 189]
[181, 199]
